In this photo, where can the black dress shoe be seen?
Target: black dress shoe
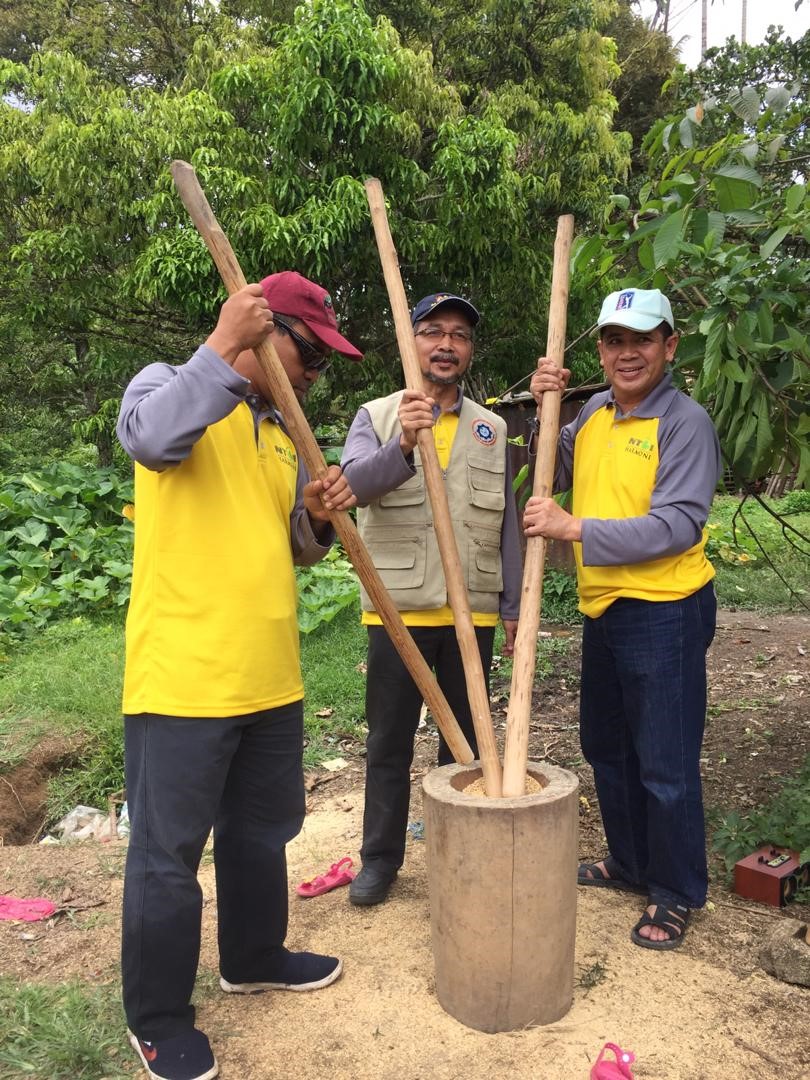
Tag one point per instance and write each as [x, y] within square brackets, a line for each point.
[371, 886]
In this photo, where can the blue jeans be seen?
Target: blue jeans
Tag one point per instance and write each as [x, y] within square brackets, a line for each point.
[241, 776]
[642, 715]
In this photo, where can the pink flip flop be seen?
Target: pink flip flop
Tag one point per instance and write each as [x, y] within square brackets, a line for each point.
[613, 1070]
[339, 873]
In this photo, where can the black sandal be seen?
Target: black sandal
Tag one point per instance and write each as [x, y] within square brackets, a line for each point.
[592, 874]
[672, 918]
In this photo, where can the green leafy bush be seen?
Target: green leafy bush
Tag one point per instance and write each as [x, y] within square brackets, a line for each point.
[560, 599]
[66, 537]
[784, 822]
[65, 545]
[722, 543]
[795, 502]
[325, 589]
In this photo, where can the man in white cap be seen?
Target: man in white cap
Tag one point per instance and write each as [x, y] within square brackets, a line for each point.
[644, 461]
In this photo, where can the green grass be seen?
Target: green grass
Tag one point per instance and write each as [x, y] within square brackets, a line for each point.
[744, 577]
[63, 1032]
[68, 680]
[330, 657]
[68, 683]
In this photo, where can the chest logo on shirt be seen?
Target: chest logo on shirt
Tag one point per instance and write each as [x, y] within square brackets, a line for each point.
[286, 455]
[640, 447]
[484, 432]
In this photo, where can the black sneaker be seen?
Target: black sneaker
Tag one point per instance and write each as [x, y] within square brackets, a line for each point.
[371, 886]
[183, 1057]
[292, 971]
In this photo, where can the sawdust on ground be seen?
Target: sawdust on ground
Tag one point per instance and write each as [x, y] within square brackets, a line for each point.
[705, 1011]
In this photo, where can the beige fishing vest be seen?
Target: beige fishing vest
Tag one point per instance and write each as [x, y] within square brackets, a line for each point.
[398, 528]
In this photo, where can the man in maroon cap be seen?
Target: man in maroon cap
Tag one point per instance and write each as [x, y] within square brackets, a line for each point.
[213, 694]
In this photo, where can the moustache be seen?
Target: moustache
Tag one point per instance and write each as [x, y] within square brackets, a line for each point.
[443, 358]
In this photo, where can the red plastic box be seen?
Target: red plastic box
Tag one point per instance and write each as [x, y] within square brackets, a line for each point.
[771, 875]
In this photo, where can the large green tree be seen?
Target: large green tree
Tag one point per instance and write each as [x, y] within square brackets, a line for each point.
[127, 42]
[647, 58]
[100, 261]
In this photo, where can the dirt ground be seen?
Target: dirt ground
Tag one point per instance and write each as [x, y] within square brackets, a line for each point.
[703, 1012]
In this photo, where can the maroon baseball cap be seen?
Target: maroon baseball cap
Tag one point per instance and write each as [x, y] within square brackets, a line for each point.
[289, 293]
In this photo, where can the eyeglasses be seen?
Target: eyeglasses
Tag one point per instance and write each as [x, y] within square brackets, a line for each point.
[433, 333]
[311, 358]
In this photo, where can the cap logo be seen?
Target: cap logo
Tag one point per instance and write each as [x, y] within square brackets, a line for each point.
[327, 302]
[484, 432]
[625, 300]
[439, 299]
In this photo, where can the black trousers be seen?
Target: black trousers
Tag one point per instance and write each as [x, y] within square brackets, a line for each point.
[241, 776]
[393, 702]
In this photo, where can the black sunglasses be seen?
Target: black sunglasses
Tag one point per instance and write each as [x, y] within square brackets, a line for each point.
[311, 357]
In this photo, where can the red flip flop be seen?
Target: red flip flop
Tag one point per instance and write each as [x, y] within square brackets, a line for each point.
[603, 1069]
[339, 873]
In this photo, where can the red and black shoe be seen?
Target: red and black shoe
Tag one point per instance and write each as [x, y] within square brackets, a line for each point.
[187, 1056]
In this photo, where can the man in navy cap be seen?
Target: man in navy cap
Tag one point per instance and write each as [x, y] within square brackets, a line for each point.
[213, 725]
[381, 462]
[644, 462]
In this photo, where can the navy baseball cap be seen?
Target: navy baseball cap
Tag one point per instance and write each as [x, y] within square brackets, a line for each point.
[428, 304]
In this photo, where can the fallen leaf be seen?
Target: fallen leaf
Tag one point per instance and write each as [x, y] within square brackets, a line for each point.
[800, 649]
[334, 764]
[324, 713]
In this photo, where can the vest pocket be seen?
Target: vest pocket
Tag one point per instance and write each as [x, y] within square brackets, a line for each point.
[400, 558]
[411, 493]
[484, 567]
[485, 477]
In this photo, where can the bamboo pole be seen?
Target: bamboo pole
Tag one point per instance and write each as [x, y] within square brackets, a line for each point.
[222, 253]
[516, 752]
[448, 549]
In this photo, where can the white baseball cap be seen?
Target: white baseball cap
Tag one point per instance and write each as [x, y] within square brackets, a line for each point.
[637, 309]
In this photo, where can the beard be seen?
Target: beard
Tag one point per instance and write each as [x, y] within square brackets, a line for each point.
[443, 380]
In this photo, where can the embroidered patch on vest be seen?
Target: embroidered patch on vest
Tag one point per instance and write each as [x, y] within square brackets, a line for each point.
[484, 432]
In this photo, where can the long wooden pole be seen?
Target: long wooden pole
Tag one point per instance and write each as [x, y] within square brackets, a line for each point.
[516, 752]
[222, 253]
[442, 522]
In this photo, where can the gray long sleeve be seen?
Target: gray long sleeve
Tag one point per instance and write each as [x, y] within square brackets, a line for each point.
[371, 468]
[166, 409]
